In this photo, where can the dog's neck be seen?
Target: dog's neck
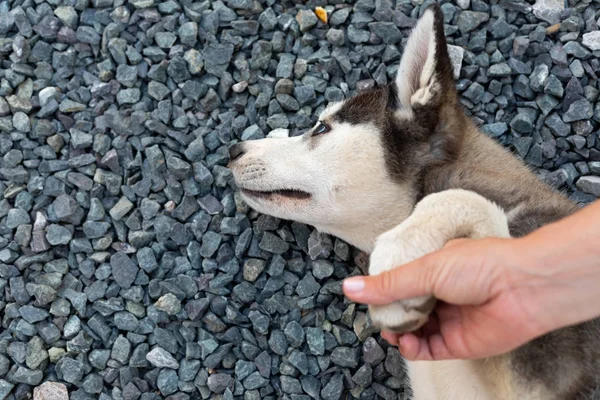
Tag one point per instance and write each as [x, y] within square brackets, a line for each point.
[364, 234]
[362, 238]
[364, 223]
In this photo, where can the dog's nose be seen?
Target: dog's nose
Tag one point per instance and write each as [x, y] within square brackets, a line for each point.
[236, 151]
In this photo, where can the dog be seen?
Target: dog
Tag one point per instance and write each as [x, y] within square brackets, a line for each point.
[399, 170]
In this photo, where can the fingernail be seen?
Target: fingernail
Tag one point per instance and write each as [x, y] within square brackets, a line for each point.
[354, 285]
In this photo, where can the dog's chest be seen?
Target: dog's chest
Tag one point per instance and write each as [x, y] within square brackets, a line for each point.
[447, 380]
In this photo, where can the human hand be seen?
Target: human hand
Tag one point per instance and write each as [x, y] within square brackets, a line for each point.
[488, 294]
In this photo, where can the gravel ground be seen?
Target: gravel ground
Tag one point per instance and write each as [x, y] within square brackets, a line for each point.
[129, 268]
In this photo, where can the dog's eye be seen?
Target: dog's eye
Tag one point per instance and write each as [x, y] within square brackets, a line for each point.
[321, 129]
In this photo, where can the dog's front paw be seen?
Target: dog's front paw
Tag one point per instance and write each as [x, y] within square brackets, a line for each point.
[393, 249]
[404, 315]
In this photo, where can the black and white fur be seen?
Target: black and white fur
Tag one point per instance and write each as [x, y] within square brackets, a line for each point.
[399, 170]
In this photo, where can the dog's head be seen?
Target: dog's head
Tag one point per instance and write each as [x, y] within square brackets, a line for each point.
[357, 168]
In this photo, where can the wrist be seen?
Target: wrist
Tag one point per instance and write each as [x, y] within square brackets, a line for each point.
[560, 276]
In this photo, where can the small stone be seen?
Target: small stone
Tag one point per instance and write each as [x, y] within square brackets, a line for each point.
[157, 90]
[6, 388]
[278, 343]
[273, 244]
[372, 352]
[294, 334]
[217, 58]
[320, 245]
[496, 129]
[50, 391]
[167, 381]
[548, 10]
[21, 121]
[217, 383]
[589, 184]
[70, 106]
[474, 93]
[290, 385]
[48, 27]
[394, 364]
[306, 19]
[58, 235]
[194, 62]
[161, 358]
[142, 3]
[386, 31]
[165, 40]
[121, 209]
[246, 28]
[285, 66]
[575, 49]
[255, 381]
[188, 33]
[121, 350]
[579, 110]
[523, 122]
[557, 126]
[17, 217]
[316, 341]
[334, 388]
[36, 353]
[553, 87]
[322, 269]
[87, 34]
[364, 376]
[500, 70]
[469, 20]
[321, 14]
[591, 40]
[336, 37]
[307, 286]
[28, 376]
[345, 357]
[357, 36]
[124, 270]
[538, 77]
[456, 58]
[210, 244]
[252, 269]
[168, 303]
[340, 16]
[70, 370]
[127, 75]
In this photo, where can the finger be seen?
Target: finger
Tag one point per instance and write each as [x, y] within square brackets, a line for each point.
[414, 348]
[437, 347]
[390, 337]
[406, 281]
[456, 242]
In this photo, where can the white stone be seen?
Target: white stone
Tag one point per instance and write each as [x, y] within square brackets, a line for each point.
[46, 94]
[591, 40]
[456, 58]
[279, 133]
[240, 86]
[549, 10]
[464, 4]
[161, 358]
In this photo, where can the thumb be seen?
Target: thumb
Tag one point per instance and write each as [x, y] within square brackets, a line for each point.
[409, 280]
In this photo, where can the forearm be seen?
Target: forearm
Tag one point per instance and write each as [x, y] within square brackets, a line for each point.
[565, 257]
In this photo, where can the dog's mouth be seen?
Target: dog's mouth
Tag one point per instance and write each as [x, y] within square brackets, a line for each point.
[295, 194]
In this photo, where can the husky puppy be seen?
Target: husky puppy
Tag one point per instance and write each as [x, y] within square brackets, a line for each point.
[399, 170]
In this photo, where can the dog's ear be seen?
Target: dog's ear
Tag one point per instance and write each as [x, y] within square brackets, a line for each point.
[425, 71]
